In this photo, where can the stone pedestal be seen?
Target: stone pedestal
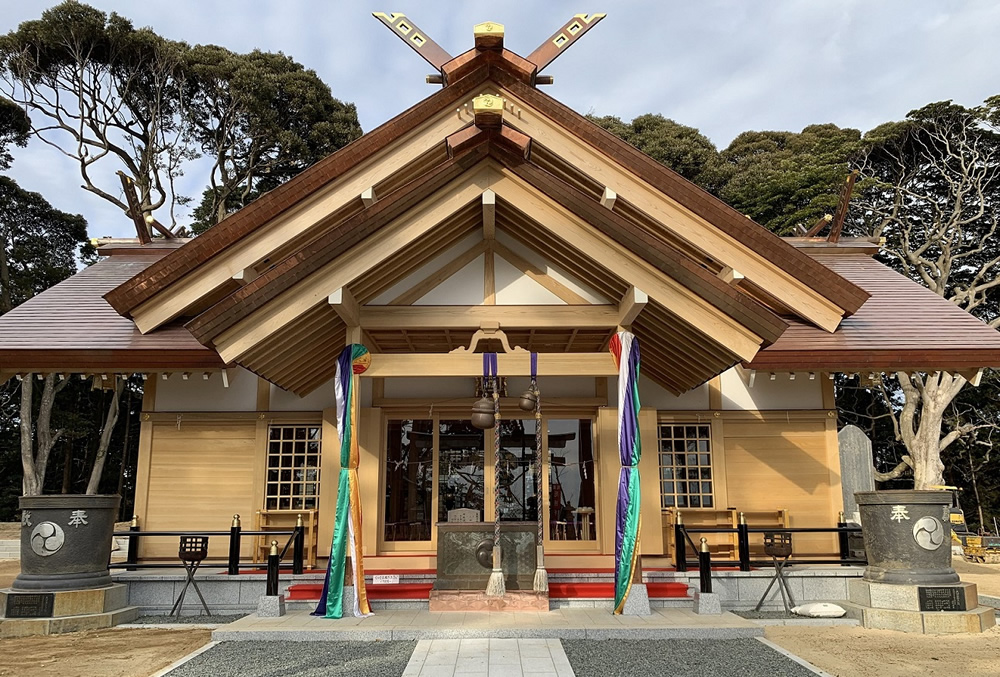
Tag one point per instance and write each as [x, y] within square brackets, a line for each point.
[47, 613]
[939, 609]
[271, 606]
[637, 602]
[707, 603]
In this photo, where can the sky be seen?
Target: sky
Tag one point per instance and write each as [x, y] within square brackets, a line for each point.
[723, 66]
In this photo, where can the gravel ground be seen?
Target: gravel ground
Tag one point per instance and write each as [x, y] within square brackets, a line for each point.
[186, 620]
[679, 658]
[299, 659]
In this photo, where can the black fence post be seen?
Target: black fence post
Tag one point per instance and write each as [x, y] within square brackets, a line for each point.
[843, 539]
[743, 543]
[705, 566]
[680, 547]
[132, 553]
[298, 547]
[273, 560]
[234, 546]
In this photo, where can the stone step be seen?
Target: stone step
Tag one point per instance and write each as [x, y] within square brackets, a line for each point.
[976, 620]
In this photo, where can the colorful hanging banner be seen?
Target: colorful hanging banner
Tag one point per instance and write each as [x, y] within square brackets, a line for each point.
[624, 347]
[354, 359]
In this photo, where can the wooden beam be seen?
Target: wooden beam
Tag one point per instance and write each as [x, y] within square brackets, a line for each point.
[729, 276]
[539, 275]
[515, 364]
[489, 215]
[415, 38]
[974, 377]
[363, 257]
[368, 196]
[430, 282]
[673, 217]
[608, 198]
[631, 305]
[285, 228]
[472, 317]
[549, 50]
[343, 301]
[489, 276]
[680, 300]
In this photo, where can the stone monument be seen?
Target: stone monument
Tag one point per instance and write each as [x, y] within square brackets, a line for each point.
[909, 584]
[856, 466]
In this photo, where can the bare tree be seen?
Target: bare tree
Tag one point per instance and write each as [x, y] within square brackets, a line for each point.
[932, 189]
[38, 438]
[98, 88]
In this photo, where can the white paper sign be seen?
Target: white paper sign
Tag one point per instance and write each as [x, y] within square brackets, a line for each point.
[385, 579]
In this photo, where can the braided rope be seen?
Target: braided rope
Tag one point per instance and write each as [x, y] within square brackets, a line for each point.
[538, 460]
[496, 461]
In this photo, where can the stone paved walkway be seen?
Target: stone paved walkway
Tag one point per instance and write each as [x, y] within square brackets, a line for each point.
[556, 624]
[489, 658]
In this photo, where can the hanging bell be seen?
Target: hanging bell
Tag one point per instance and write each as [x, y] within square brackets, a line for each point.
[483, 414]
[528, 400]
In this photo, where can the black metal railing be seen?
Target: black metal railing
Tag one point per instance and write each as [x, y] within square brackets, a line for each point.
[682, 538]
[296, 541]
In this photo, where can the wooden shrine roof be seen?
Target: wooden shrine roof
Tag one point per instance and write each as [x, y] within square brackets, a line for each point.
[71, 327]
[903, 325]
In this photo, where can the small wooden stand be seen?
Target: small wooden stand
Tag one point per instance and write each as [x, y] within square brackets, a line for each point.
[283, 520]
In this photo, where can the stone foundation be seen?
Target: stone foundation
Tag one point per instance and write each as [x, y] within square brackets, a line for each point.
[898, 607]
[476, 600]
[72, 611]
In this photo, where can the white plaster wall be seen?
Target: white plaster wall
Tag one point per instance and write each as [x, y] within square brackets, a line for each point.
[781, 393]
[554, 272]
[457, 387]
[196, 394]
[652, 396]
[434, 264]
[464, 288]
[515, 288]
[324, 397]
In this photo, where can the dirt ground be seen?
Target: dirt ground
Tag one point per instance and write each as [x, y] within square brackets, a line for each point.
[855, 652]
[9, 569]
[985, 576]
[99, 653]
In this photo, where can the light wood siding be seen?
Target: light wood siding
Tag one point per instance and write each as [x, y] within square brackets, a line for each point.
[201, 473]
[785, 462]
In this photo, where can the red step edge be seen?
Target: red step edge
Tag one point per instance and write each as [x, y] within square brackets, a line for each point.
[311, 591]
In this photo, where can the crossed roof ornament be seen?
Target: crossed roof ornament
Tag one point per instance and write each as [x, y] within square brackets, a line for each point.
[489, 36]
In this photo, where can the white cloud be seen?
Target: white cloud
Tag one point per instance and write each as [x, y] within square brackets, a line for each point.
[723, 66]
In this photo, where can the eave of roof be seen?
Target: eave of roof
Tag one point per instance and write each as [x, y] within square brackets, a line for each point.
[71, 327]
[902, 326]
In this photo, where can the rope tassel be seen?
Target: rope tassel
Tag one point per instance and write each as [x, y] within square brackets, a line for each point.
[495, 587]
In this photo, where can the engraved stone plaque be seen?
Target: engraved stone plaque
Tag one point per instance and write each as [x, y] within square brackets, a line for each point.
[941, 599]
[463, 515]
[30, 605]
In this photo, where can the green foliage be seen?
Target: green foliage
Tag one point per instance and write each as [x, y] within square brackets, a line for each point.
[38, 244]
[684, 149]
[14, 129]
[781, 179]
[100, 88]
[263, 118]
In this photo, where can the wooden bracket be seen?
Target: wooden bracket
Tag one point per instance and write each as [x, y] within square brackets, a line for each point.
[346, 306]
[973, 376]
[631, 305]
[490, 331]
[608, 199]
[489, 214]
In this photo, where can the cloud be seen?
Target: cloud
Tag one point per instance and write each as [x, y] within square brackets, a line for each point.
[723, 66]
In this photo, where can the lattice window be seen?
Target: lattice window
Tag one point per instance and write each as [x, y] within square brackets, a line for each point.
[685, 466]
[293, 458]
